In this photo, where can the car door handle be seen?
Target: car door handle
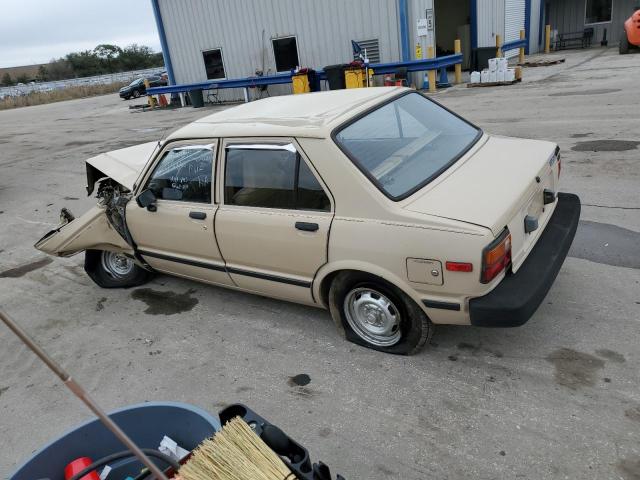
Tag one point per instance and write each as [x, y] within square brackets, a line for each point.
[307, 227]
[198, 215]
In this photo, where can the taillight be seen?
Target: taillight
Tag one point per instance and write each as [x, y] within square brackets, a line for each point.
[496, 257]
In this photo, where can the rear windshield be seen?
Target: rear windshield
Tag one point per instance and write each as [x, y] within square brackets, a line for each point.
[406, 143]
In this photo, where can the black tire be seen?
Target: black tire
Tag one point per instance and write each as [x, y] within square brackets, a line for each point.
[623, 47]
[95, 268]
[414, 326]
[136, 93]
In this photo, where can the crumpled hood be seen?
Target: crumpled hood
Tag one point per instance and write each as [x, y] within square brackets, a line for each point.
[491, 185]
[123, 166]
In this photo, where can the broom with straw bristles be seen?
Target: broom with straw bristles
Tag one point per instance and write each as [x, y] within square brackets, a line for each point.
[234, 453]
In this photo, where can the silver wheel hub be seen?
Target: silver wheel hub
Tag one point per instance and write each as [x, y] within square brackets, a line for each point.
[117, 265]
[373, 317]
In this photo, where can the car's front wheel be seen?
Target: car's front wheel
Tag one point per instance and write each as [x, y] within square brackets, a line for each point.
[114, 269]
[377, 315]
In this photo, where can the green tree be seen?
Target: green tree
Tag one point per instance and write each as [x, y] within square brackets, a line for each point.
[84, 64]
[22, 78]
[108, 56]
[43, 73]
[7, 80]
[136, 57]
[59, 69]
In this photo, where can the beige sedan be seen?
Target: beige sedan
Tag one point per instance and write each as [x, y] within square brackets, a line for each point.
[377, 204]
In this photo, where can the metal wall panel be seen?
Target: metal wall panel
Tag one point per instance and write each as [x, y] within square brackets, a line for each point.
[513, 22]
[243, 29]
[490, 21]
[569, 16]
[534, 28]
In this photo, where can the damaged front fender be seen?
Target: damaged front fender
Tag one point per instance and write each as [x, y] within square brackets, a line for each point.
[89, 231]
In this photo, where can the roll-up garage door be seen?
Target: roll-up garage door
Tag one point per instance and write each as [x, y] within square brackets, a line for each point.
[513, 22]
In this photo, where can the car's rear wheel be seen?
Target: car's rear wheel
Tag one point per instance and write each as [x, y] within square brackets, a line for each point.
[377, 315]
[114, 269]
[136, 93]
[624, 43]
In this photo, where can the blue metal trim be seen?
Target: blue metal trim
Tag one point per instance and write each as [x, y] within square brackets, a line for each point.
[417, 65]
[473, 7]
[378, 69]
[163, 41]
[515, 44]
[527, 23]
[404, 30]
[541, 25]
[233, 83]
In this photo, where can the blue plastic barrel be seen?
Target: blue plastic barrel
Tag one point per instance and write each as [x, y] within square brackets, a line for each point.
[146, 424]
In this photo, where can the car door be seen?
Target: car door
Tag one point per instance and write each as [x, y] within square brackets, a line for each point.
[274, 218]
[175, 234]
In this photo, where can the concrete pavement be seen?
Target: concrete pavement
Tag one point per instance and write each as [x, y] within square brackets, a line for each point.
[556, 398]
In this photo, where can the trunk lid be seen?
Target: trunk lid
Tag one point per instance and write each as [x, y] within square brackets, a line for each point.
[496, 187]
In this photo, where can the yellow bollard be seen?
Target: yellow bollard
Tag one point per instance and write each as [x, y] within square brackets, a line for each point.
[498, 46]
[150, 99]
[458, 66]
[547, 39]
[431, 73]
[521, 58]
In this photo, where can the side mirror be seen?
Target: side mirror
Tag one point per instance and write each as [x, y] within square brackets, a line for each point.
[146, 199]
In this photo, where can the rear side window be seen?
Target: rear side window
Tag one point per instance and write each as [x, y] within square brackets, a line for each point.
[184, 174]
[404, 144]
[271, 177]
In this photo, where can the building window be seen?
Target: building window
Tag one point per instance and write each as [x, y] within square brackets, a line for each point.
[213, 64]
[285, 51]
[597, 11]
[371, 46]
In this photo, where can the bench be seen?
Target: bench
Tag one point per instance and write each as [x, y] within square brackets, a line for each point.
[574, 39]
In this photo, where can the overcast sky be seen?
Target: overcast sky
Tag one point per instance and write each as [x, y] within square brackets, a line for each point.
[35, 31]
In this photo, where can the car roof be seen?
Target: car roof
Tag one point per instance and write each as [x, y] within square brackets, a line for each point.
[306, 115]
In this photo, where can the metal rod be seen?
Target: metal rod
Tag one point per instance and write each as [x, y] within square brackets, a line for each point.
[79, 392]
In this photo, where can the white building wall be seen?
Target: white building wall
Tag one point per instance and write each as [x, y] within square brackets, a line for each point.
[490, 22]
[535, 45]
[243, 29]
[514, 15]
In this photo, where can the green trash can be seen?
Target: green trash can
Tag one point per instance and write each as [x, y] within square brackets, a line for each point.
[197, 101]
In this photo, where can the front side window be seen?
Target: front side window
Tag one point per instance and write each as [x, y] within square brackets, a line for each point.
[184, 174]
[404, 144]
[285, 51]
[273, 176]
[597, 11]
[213, 64]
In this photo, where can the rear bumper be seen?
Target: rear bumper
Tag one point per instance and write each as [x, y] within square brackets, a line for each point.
[517, 297]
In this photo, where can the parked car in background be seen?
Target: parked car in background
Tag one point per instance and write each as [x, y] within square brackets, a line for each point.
[377, 204]
[137, 88]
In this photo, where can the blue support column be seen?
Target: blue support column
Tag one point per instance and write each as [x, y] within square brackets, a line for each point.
[163, 42]
[403, 16]
[473, 8]
[527, 23]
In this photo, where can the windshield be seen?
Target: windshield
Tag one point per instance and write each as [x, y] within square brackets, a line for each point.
[406, 143]
[136, 82]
